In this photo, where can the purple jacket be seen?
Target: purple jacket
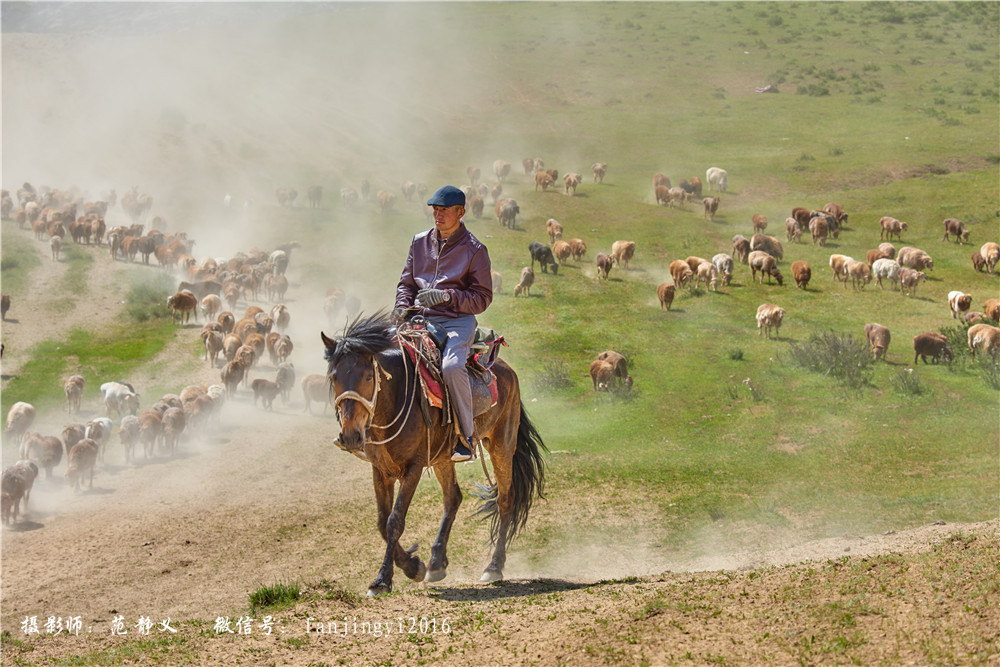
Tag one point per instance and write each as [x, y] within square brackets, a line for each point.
[462, 268]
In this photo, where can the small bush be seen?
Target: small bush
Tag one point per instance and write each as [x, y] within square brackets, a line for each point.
[813, 90]
[840, 356]
[553, 376]
[735, 354]
[907, 382]
[989, 370]
[147, 298]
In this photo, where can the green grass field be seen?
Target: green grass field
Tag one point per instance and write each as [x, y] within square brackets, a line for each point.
[887, 109]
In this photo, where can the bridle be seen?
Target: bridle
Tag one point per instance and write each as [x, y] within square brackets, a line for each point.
[369, 404]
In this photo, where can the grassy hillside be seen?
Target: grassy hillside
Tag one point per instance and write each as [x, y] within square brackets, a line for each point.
[888, 109]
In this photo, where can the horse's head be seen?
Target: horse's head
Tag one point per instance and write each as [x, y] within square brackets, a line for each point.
[353, 382]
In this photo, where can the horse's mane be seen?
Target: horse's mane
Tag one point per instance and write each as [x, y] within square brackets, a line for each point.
[366, 334]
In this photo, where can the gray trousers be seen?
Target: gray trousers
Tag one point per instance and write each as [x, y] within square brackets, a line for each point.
[461, 332]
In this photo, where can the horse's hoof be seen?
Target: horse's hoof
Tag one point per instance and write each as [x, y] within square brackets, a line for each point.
[491, 575]
[421, 573]
[375, 591]
[436, 575]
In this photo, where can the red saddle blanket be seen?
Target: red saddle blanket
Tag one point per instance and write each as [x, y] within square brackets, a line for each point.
[482, 379]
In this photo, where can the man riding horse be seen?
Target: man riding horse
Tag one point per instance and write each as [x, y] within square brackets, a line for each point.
[447, 280]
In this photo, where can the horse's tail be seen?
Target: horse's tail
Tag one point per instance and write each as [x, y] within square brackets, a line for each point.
[528, 481]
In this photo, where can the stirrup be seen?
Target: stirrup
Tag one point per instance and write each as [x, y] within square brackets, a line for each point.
[465, 450]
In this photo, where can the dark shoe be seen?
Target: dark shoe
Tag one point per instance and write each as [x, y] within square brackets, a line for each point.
[465, 450]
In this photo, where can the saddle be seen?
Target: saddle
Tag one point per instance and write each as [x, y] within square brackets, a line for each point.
[424, 342]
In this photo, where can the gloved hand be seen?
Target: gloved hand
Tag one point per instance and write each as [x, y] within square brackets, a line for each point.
[428, 298]
[399, 315]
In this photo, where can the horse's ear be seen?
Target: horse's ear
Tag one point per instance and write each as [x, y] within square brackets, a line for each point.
[330, 343]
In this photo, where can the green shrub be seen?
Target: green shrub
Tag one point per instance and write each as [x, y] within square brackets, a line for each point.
[906, 381]
[840, 356]
[147, 298]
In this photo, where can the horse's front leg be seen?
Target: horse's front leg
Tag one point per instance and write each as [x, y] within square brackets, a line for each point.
[438, 565]
[391, 525]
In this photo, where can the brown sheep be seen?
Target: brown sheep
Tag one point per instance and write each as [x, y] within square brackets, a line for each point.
[819, 228]
[956, 228]
[561, 251]
[891, 226]
[409, 189]
[231, 343]
[888, 249]
[711, 205]
[801, 273]
[708, 274]
[909, 279]
[696, 187]
[694, 262]
[578, 248]
[211, 304]
[933, 345]
[662, 194]
[316, 388]
[232, 374]
[476, 205]
[527, 280]
[12, 487]
[761, 261]
[914, 258]
[661, 180]
[859, 273]
[759, 222]
[150, 427]
[528, 164]
[680, 272]
[622, 252]
[769, 316]
[665, 293]
[128, 434]
[991, 255]
[213, 345]
[474, 174]
[768, 244]
[875, 254]
[978, 262]
[838, 263]
[837, 212]
[878, 338]
[495, 192]
[602, 373]
[4, 305]
[497, 281]
[985, 337]
[266, 391]
[604, 264]
[73, 388]
[543, 181]
[599, 169]
[386, 201]
[991, 308]
[571, 182]
[554, 230]
[620, 365]
[741, 248]
[82, 458]
[501, 170]
[183, 304]
[19, 419]
[793, 230]
[173, 424]
[958, 302]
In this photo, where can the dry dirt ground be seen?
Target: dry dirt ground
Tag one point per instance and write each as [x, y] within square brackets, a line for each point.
[261, 498]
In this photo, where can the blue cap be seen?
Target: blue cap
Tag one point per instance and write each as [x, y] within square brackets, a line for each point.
[447, 195]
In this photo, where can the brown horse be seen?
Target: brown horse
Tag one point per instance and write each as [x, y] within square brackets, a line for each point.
[376, 396]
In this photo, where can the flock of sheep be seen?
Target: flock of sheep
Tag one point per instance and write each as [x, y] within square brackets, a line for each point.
[904, 268]
[207, 287]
